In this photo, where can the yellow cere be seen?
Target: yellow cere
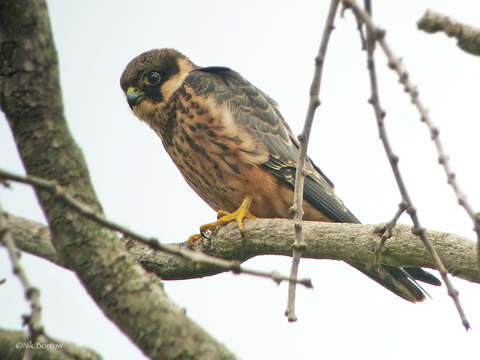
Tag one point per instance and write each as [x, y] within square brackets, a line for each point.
[133, 90]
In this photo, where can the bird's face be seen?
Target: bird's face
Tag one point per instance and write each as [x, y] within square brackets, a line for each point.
[151, 78]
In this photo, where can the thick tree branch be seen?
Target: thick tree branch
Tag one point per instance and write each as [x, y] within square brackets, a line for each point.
[13, 344]
[31, 99]
[32, 237]
[468, 37]
[352, 242]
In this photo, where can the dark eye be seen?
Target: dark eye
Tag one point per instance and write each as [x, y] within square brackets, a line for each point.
[152, 78]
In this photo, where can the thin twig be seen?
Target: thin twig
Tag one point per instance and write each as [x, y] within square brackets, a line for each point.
[36, 331]
[387, 231]
[153, 243]
[297, 207]
[380, 115]
[374, 34]
[396, 65]
[360, 30]
[32, 294]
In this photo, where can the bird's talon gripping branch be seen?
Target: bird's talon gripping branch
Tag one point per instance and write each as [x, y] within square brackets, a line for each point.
[191, 240]
[224, 217]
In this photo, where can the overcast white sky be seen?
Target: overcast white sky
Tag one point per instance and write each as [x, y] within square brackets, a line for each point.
[273, 45]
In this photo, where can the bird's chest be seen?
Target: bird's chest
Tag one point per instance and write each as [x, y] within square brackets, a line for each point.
[210, 151]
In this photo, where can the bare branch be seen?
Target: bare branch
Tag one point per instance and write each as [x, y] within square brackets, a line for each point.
[387, 232]
[355, 243]
[37, 337]
[396, 65]
[375, 34]
[297, 207]
[468, 37]
[32, 294]
[155, 244]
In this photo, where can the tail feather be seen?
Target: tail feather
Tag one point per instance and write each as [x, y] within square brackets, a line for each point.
[401, 281]
[422, 275]
[394, 279]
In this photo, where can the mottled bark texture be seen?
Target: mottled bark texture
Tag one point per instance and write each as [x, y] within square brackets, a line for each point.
[31, 99]
[352, 242]
[468, 37]
[13, 343]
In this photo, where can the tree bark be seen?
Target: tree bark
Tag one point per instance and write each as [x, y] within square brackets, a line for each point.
[12, 347]
[350, 242]
[31, 99]
[468, 37]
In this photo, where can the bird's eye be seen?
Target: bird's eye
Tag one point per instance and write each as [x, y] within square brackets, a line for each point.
[152, 78]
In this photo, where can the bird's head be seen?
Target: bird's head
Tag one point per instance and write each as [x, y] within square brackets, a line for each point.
[151, 78]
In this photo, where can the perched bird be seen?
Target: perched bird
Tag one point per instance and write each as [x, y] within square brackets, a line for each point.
[234, 148]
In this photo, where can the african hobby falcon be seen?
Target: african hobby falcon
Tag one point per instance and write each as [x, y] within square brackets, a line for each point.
[234, 148]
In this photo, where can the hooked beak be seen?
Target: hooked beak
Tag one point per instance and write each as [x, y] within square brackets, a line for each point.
[134, 96]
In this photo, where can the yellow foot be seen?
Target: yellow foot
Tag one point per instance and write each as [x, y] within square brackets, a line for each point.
[191, 240]
[224, 217]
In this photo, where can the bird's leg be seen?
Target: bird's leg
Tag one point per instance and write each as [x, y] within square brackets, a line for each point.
[224, 217]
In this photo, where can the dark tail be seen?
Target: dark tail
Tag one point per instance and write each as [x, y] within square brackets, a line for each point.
[400, 281]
